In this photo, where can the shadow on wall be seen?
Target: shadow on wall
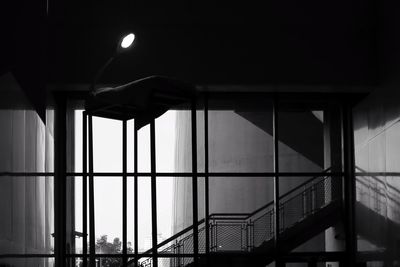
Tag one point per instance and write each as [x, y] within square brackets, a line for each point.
[290, 122]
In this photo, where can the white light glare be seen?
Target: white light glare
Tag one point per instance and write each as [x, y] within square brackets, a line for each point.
[128, 40]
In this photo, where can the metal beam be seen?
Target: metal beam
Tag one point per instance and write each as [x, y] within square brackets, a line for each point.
[349, 185]
[84, 187]
[92, 238]
[124, 194]
[60, 148]
[153, 192]
[275, 125]
[194, 185]
[135, 195]
[206, 177]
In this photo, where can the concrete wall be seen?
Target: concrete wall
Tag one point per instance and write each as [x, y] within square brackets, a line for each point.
[241, 141]
[26, 203]
[377, 150]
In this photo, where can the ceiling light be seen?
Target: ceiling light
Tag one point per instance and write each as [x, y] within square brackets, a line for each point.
[127, 41]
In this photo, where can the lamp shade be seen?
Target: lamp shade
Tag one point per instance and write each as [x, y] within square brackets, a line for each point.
[143, 100]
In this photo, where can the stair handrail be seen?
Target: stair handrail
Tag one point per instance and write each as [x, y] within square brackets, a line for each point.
[248, 215]
[286, 194]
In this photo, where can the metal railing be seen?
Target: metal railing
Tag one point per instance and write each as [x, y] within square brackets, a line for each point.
[247, 231]
[244, 232]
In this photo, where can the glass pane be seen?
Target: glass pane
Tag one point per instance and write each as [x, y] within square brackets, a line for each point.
[378, 202]
[310, 213]
[37, 262]
[241, 213]
[74, 213]
[144, 160]
[173, 262]
[301, 141]
[27, 215]
[131, 214]
[328, 264]
[240, 134]
[25, 142]
[75, 261]
[131, 145]
[174, 213]
[75, 140]
[108, 262]
[309, 139]
[107, 145]
[174, 142]
[200, 140]
[144, 214]
[165, 205]
[108, 214]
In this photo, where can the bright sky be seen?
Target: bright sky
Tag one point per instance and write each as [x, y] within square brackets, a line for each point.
[107, 150]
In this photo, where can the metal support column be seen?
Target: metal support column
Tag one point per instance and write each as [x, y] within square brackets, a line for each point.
[124, 193]
[92, 249]
[60, 148]
[194, 185]
[84, 188]
[349, 185]
[135, 195]
[276, 178]
[153, 192]
[206, 169]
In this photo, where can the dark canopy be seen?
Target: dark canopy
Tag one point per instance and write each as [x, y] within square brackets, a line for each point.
[142, 100]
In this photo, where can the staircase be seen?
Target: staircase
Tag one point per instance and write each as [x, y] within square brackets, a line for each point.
[305, 211]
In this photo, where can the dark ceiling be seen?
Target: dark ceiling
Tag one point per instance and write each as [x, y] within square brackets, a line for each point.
[279, 42]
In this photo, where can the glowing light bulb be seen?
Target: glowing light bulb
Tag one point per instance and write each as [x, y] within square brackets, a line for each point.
[127, 41]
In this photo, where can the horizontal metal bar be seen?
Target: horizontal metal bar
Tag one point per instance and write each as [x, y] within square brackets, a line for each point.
[229, 214]
[372, 174]
[142, 255]
[214, 174]
[27, 255]
[27, 174]
[97, 255]
[293, 256]
[170, 255]
[229, 218]
[318, 256]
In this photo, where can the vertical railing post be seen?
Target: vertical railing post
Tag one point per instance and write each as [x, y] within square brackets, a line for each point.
[304, 194]
[314, 195]
[250, 235]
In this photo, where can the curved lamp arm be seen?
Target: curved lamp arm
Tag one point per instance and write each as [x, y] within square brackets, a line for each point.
[124, 44]
[100, 72]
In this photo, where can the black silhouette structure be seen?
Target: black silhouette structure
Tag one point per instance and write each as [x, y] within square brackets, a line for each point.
[288, 122]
